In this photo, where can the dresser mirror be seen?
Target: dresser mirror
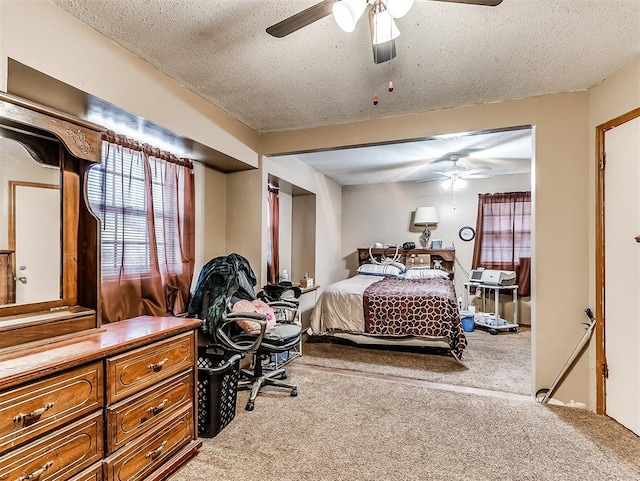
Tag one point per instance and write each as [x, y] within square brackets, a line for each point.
[49, 259]
[30, 204]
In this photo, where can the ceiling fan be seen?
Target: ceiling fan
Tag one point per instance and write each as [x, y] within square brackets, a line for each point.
[455, 177]
[346, 13]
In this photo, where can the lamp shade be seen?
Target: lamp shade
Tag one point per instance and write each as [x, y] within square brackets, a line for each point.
[425, 216]
[346, 13]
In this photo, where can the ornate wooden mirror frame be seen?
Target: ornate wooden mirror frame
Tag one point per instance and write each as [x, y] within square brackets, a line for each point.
[49, 134]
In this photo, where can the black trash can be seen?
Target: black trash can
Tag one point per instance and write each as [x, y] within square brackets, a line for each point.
[218, 373]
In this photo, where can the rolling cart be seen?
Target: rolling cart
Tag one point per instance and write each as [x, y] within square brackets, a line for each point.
[492, 321]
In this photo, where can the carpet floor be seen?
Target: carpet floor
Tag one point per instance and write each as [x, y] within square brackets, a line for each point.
[361, 428]
[499, 363]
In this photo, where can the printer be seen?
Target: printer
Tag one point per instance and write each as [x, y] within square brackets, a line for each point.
[492, 277]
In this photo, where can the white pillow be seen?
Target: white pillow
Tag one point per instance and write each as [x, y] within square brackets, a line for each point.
[425, 274]
[380, 270]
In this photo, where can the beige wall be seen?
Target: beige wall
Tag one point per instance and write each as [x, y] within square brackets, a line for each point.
[328, 211]
[615, 96]
[383, 213]
[39, 34]
[44, 37]
[303, 235]
[246, 224]
[286, 221]
[560, 198]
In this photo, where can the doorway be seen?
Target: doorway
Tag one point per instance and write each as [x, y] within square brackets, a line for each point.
[618, 270]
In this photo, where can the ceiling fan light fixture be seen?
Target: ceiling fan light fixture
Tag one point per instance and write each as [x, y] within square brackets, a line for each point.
[455, 183]
[346, 13]
[398, 8]
[384, 27]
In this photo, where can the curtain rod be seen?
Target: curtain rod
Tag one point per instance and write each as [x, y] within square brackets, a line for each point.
[124, 141]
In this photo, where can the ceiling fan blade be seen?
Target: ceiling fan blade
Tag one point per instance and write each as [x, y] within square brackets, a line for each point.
[477, 170]
[488, 3]
[301, 19]
[471, 177]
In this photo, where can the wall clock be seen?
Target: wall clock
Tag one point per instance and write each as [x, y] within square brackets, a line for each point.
[467, 233]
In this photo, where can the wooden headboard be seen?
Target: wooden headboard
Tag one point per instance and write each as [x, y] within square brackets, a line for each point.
[447, 257]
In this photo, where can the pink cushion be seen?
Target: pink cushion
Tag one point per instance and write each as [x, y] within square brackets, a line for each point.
[256, 306]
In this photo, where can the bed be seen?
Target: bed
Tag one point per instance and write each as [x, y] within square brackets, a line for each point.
[392, 309]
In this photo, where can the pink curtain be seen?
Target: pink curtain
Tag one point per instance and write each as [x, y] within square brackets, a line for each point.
[503, 235]
[273, 238]
[145, 201]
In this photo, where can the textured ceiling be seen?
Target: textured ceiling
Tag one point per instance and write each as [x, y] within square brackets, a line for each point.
[449, 54]
[494, 153]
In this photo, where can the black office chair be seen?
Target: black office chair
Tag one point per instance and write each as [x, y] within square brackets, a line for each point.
[223, 282]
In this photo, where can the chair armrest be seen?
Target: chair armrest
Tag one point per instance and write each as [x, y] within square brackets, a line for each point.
[293, 304]
[242, 316]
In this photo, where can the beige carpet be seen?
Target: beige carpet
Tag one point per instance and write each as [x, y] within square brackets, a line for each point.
[349, 427]
[500, 363]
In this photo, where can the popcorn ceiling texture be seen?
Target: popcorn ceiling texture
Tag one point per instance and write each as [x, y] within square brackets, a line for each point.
[449, 54]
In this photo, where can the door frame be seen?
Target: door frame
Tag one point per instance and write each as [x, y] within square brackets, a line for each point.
[600, 281]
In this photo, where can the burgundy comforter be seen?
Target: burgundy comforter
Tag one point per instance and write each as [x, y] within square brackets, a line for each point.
[424, 307]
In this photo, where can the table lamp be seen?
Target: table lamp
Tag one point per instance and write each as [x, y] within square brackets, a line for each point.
[425, 216]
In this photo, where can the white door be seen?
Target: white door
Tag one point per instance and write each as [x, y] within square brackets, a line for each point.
[622, 273]
[37, 228]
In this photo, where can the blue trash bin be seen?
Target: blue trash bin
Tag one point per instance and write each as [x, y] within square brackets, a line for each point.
[467, 321]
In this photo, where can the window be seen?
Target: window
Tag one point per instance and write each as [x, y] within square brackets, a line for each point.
[506, 229]
[117, 193]
[503, 235]
[145, 202]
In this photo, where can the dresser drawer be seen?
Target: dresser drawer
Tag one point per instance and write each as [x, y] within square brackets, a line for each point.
[139, 413]
[139, 458]
[94, 473]
[58, 456]
[31, 410]
[138, 369]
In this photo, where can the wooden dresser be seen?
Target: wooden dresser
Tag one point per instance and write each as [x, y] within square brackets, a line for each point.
[116, 404]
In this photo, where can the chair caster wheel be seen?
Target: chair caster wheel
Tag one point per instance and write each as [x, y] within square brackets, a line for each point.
[249, 406]
[294, 393]
[283, 375]
[513, 329]
[493, 332]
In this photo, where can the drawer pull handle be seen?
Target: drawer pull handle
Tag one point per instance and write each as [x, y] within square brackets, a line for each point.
[36, 474]
[156, 452]
[33, 415]
[156, 366]
[159, 408]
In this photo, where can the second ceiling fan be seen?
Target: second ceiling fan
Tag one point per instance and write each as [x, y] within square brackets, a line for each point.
[346, 13]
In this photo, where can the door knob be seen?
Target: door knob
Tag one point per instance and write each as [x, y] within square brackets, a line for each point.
[22, 279]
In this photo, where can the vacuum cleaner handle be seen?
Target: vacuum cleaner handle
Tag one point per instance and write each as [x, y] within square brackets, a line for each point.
[578, 349]
[589, 314]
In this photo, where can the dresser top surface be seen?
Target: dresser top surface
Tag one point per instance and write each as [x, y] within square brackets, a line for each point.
[24, 364]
